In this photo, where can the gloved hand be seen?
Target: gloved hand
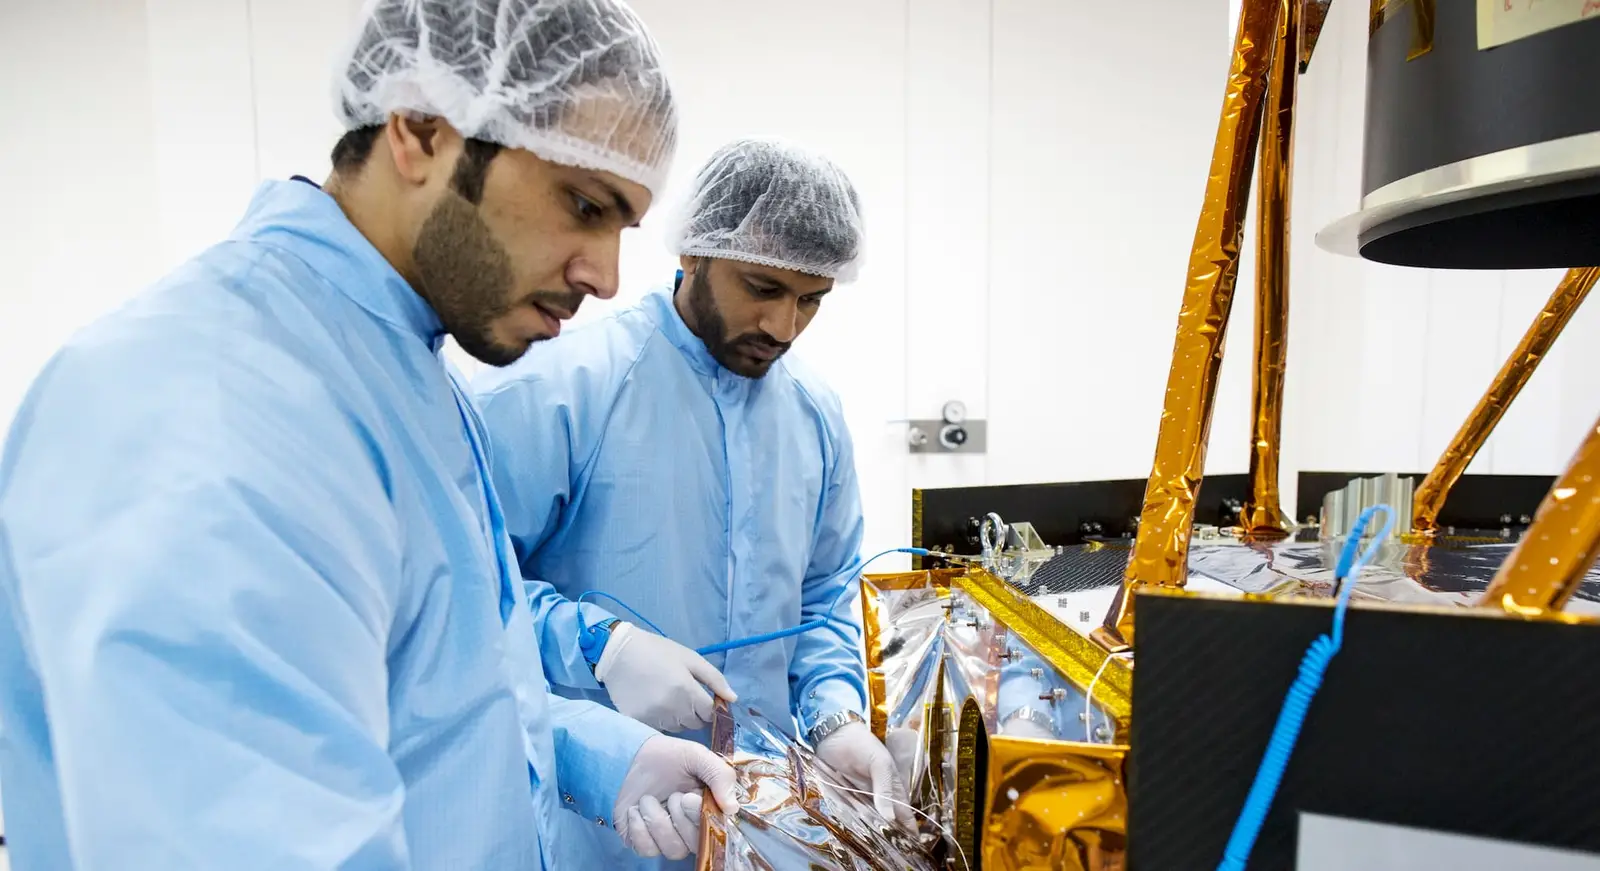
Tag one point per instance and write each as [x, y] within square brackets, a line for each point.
[658, 807]
[658, 681]
[853, 751]
[904, 746]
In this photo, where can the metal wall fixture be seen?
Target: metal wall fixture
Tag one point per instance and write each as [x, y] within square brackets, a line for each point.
[951, 434]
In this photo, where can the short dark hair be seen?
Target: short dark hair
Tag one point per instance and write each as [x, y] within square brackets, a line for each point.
[350, 153]
[353, 149]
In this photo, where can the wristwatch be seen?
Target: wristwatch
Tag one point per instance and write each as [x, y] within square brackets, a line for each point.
[830, 724]
[594, 639]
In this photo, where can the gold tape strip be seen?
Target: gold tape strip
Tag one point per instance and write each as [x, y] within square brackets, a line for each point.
[1263, 510]
[968, 831]
[916, 526]
[1519, 367]
[712, 854]
[1077, 658]
[1558, 549]
[1161, 550]
[872, 637]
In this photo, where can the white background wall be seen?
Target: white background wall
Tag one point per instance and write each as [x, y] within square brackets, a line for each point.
[1032, 171]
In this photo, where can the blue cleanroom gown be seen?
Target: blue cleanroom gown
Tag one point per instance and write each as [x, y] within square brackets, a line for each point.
[630, 462]
[257, 610]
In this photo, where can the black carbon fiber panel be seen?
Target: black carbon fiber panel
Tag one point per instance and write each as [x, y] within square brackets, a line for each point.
[1077, 569]
[1465, 724]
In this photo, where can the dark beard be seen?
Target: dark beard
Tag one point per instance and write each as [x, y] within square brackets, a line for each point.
[466, 276]
[713, 331]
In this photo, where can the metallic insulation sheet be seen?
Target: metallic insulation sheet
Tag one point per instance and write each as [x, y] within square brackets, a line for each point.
[1011, 757]
[1263, 512]
[1513, 375]
[903, 623]
[1028, 775]
[1168, 512]
[793, 813]
[1447, 572]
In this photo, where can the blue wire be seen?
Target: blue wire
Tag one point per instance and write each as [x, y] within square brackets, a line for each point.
[809, 625]
[1298, 700]
[752, 640]
[619, 603]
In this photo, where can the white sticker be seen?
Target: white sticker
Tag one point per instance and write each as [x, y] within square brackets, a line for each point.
[1503, 21]
[1338, 844]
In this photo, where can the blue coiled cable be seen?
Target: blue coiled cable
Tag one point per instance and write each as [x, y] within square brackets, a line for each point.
[763, 638]
[1298, 701]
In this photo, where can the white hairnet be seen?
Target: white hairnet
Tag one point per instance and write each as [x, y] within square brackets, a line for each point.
[769, 202]
[576, 82]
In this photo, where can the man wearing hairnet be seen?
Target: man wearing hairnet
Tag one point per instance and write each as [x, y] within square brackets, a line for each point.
[257, 603]
[675, 458]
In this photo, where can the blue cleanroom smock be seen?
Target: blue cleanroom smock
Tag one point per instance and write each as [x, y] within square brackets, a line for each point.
[257, 609]
[630, 462]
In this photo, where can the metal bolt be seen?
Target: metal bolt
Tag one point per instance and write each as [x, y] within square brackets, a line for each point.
[1101, 733]
[1036, 673]
[1054, 695]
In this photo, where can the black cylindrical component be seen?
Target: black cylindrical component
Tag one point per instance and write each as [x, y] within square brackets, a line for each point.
[1480, 158]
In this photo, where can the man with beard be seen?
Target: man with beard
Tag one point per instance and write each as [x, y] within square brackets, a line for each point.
[257, 603]
[675, 458]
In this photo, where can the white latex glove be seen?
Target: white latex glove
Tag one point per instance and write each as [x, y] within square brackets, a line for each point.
[904, 744]
[658, 807]
[658, 681]
[853, 751]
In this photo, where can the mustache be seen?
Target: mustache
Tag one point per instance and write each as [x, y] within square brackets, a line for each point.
[557, 302]
[762, 340]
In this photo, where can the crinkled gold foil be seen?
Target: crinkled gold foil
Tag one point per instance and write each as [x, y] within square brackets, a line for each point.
[1168, 512]
[1519, 367]
[1055, 805]
[1555, 554]
[1263, 510]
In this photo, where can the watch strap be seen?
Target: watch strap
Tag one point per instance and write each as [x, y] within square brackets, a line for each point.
[830, 724]
[593, 643]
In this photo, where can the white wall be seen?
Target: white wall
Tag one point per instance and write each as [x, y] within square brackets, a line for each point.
[147, 126]
[1032, 171]
[1386, 362]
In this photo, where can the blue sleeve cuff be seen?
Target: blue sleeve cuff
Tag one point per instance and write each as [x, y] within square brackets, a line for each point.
[827, 698]
[595, 747]
[555, 623]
